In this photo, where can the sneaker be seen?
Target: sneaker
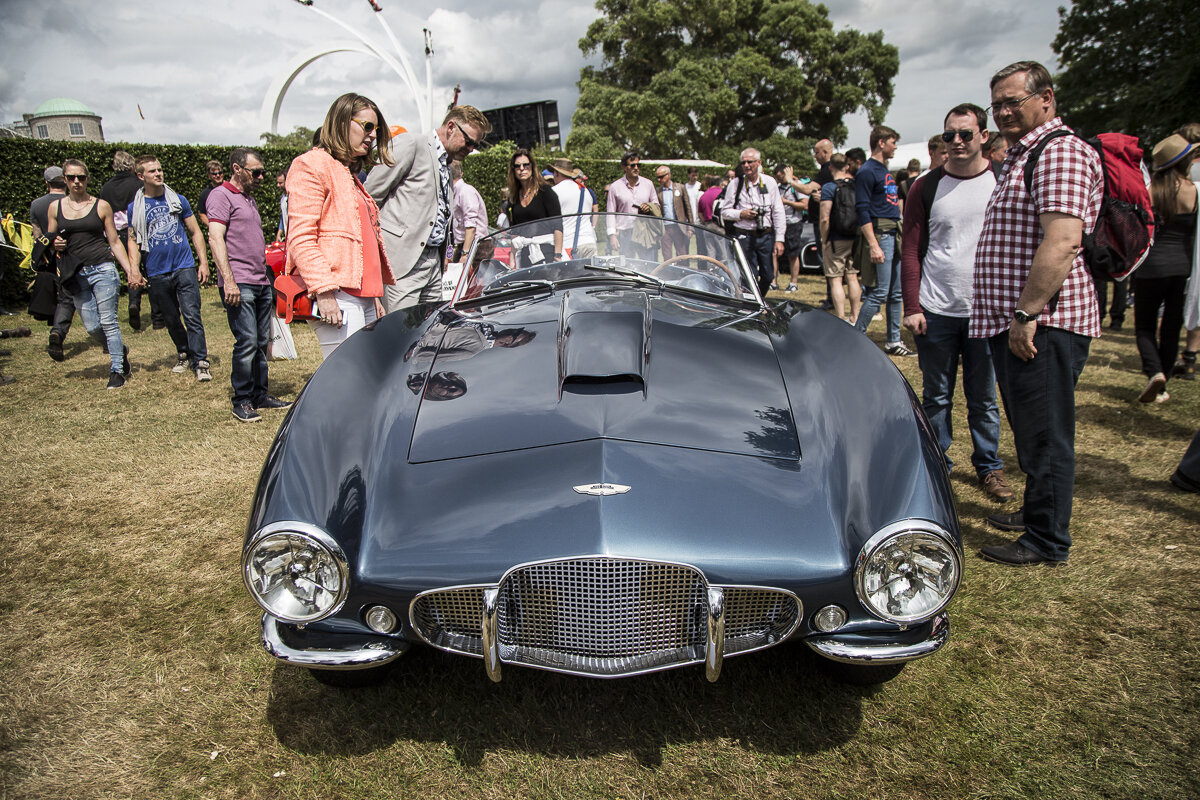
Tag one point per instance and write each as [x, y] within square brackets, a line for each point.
[996, 487]
[202, 373]
[792, 287]
[55, 347]
[898, 349]
[181, 364]
[115, 380]
[1158, 382]
[774, 286]
[271, 401]
[245, 413]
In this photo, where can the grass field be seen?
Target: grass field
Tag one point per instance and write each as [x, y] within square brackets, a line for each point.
[130, 665]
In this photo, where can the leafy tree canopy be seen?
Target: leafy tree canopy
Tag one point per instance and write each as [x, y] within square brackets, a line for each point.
[1129, 65]
[702, 78]
[300, 137]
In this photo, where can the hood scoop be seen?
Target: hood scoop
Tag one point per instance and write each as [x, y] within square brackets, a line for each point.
[604, 343]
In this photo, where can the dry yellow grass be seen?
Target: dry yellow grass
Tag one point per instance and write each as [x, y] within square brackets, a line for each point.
[130, 667]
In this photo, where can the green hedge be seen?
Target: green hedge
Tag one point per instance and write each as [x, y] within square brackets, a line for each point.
[25, 159]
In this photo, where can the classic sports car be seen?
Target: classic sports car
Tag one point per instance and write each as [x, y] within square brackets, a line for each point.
[604, 466]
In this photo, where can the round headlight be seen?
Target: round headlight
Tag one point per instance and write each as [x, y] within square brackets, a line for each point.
[297, 572]
[907, 572]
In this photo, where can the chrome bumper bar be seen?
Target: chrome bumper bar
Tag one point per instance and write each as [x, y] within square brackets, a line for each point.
[858, 649]
[304, 649]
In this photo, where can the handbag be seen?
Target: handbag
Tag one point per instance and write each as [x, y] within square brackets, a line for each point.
[282, 346]
[291, 298]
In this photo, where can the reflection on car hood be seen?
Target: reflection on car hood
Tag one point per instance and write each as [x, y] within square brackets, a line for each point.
[582, 364]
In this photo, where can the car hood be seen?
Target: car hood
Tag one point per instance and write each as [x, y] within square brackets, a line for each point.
[623, 364]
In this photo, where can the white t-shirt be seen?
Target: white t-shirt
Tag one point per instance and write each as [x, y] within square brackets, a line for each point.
[568, 198]
[694, 190]
[955, 222]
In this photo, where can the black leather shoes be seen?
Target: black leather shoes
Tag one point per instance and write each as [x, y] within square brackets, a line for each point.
[1008, 522]
[1015, 554]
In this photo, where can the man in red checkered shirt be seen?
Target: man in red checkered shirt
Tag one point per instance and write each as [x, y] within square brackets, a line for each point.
[1035, 304]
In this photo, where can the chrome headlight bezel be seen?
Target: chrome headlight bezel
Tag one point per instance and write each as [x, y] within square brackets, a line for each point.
[313, 537]
[927, 533]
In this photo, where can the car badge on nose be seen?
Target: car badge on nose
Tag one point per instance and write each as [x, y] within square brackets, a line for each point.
[602, 489]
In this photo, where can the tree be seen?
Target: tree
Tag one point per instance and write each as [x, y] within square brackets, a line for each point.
[1128, 65]
[686, 78]
[299, 137]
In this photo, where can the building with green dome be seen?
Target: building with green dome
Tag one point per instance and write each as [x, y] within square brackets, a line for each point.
[63, 119]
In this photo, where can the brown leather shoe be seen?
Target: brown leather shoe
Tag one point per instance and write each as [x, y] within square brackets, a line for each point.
[996, 487]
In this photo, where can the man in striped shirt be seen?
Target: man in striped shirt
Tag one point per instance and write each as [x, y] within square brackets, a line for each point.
[1035, 304]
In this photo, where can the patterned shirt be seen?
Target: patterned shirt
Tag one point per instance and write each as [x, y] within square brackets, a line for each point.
[441, 223]
[1068, 179]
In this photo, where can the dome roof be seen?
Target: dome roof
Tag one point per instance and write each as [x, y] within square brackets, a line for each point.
[63, 106]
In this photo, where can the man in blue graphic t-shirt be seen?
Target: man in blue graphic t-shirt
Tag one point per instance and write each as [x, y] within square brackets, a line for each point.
[878, 205]
[160, 224]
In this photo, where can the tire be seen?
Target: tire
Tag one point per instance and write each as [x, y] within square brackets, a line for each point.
[352, 678]
[860, 674]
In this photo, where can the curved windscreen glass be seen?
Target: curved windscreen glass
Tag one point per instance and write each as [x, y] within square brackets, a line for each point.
[646, 248]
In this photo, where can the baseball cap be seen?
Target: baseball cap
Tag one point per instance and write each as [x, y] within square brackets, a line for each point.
[52, 173]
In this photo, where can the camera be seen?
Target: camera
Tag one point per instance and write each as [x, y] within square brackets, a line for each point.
[760, 220]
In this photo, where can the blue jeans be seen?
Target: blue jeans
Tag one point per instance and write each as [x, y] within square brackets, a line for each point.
[757, 247]
[178, 293]
[1039, 402]
[887, 290]
[97, 303]
[250, 323]
[939, 350]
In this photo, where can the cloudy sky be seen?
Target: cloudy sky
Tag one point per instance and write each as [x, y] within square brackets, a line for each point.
[203, 70]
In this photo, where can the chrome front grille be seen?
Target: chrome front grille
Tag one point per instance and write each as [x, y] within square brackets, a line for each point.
[604, 616]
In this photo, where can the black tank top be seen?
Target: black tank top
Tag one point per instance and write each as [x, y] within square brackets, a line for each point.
[85, 236]
[1171, 254]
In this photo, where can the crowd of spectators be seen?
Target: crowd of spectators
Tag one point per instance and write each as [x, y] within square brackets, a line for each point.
[978, 260]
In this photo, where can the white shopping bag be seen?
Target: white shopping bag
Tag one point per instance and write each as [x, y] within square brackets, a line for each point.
[281, 346]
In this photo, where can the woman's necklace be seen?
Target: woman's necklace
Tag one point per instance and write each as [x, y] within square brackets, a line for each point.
[79, 205]
[527, 194]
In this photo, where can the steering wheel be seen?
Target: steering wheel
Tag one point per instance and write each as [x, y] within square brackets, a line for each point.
[696, 257]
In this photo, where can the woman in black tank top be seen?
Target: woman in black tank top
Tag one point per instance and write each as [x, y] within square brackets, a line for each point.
[1162, 279]
[87, 244]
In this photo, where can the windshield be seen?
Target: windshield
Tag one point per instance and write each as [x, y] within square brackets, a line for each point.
[649, 249]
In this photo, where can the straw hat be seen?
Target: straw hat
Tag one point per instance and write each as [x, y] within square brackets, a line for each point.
[564, 166]
[1170, 151]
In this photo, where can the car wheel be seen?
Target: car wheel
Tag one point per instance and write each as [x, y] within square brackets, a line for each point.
[860, 674]
[352, 678]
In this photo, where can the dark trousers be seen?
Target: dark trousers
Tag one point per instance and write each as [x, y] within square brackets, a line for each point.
[1039, 402]
[177, 295]
[1188, 472]
[1120, 299]
[157, 318]
[250, 323]
[1158, 344]
[64, 311]
[757, 247]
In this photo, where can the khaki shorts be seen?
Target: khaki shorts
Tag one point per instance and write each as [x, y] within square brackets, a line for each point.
[837, 259]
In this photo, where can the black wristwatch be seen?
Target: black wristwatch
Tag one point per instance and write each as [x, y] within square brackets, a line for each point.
[1021, 316]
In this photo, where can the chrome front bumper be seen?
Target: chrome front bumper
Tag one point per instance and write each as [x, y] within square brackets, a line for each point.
[905, 646]
[316, 650]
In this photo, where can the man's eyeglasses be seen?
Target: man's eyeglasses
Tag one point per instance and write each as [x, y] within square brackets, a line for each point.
[966, 136]
[748, 161]
[368, 127]
[75, 177]
[473, 144]
[1010, 105]
[634, 165]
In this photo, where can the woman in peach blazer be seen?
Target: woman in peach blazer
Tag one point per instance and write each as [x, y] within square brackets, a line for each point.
[333, 223]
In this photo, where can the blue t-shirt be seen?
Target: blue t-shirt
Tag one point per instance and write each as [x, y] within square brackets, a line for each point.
[876, 192]
[167, 237]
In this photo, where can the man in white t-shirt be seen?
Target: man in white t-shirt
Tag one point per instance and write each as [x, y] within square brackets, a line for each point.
[579, 233]
[943, 217]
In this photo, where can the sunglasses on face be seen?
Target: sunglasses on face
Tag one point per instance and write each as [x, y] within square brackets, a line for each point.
[368, 127]
[473, 144]
[255, 173]
[746, 161]
[75, 177]
[966, 136]
[522, 166]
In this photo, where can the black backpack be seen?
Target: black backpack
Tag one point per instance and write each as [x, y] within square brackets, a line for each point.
[843, 218]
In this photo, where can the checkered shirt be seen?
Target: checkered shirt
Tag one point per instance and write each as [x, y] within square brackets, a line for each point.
[1068, 179]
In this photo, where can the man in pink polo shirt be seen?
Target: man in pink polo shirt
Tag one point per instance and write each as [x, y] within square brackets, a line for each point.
[631, 194]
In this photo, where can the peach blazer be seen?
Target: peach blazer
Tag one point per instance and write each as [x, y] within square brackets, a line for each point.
[324, 238]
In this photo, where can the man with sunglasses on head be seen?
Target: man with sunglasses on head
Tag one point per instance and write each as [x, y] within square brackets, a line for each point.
[1035, 304]
[235, 236]
[943, 216]
[756, 211]
[415, 201]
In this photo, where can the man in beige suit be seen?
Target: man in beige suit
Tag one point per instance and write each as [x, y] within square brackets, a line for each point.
[414, 198]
